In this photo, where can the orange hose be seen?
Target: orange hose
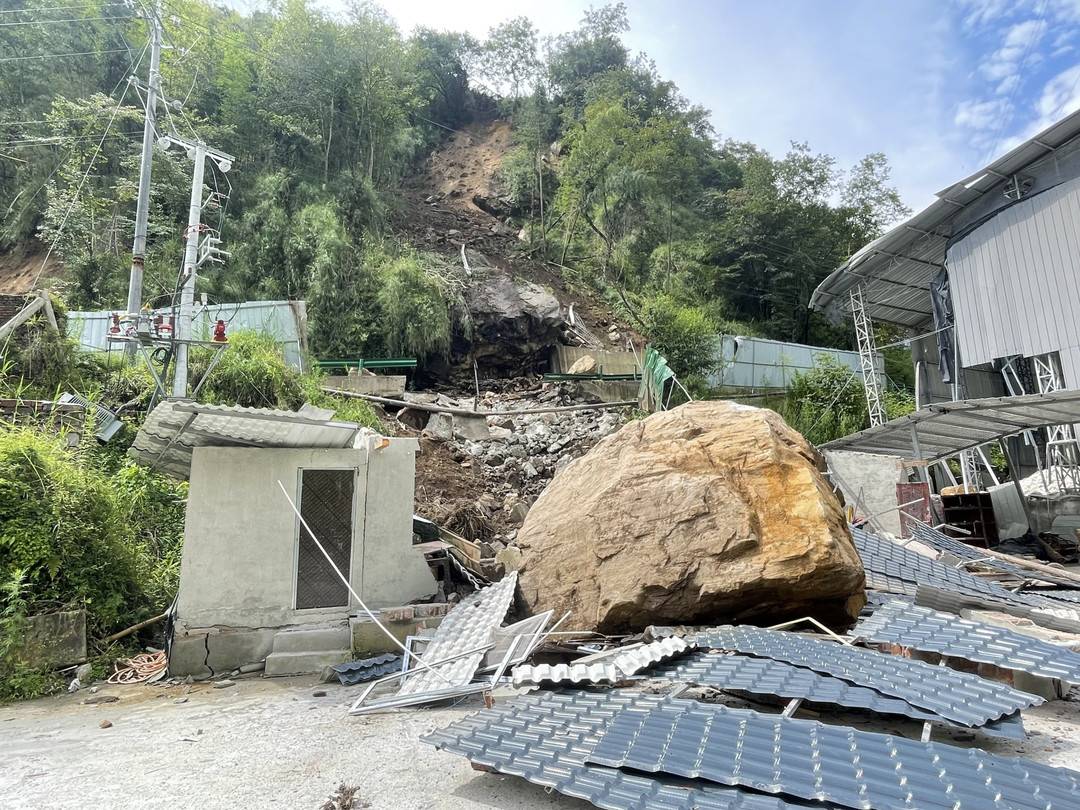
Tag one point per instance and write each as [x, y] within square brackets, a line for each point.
[140, 668]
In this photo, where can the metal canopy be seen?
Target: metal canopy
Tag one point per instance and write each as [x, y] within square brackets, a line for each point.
[175, 427]
[896, 268]
[944, 429]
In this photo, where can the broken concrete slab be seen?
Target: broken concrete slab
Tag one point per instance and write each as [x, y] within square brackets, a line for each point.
[54, 639]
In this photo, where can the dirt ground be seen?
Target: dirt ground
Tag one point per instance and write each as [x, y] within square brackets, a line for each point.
[272, 743]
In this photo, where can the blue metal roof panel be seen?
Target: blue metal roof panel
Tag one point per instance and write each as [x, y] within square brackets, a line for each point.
[765, 676]
[958, 696]
[814, 761]
[545, 737]
[921, 628]
[890, 566]
[950, 545]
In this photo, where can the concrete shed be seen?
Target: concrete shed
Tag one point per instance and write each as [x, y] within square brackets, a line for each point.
[254, 586]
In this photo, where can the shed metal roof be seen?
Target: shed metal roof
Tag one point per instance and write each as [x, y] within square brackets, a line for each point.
[896, 268]
[946, 428]
[175, 427]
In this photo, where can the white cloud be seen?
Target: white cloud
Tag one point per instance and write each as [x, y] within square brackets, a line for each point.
[1060, 96]
[981, 115]
[981, 12]
[1007, 85]
[1018, 45]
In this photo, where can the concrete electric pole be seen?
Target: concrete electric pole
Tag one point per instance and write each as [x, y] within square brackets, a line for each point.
[142, 209]
[198, 152]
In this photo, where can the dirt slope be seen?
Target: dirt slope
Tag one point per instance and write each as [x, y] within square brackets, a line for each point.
[19, 269]
[439, 214]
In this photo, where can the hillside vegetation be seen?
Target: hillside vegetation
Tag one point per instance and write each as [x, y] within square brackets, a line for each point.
[326, 115]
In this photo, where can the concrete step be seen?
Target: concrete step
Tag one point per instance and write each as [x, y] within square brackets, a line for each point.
[304, 663]
[309, 639]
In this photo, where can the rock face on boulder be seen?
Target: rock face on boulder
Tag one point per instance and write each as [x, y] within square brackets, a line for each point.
[708, 513]
[514, 323]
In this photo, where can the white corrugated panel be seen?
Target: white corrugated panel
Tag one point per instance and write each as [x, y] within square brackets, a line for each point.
[1015, 280]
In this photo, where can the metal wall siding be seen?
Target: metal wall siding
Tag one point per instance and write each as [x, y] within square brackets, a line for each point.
[1015, 280]
[745, 362]
[275, 318]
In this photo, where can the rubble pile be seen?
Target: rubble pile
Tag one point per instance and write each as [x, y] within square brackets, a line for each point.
[515, 457]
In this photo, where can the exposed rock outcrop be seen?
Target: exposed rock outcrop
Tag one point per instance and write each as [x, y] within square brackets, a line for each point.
[514, 323]
[711, 512]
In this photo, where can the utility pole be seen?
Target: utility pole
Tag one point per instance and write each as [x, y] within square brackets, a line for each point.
[198, 152]
[142, 209]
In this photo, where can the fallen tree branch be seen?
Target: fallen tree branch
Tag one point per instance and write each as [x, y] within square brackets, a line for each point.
[423, 406]
[134, 628]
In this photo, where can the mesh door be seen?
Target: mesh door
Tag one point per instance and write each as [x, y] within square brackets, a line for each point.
[326, 498]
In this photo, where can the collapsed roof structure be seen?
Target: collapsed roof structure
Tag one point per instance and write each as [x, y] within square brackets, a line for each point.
[986, 275]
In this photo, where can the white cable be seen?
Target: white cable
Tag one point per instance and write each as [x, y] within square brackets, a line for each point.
[356, 596]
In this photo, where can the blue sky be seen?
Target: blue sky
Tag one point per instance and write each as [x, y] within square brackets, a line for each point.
[940, 87]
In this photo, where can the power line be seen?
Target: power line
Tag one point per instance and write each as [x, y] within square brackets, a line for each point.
[64, 141]
[83, 7]
[68, 20]
[61, 55]
[42, 121]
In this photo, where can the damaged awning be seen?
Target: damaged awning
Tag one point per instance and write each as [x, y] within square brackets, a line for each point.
[944, 429]
[175, 427]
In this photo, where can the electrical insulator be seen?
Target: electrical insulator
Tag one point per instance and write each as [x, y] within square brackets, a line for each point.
[219, 332]
[115, 328]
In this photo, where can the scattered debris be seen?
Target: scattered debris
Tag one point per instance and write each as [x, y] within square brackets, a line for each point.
[95, 700]
[225, 684]
[105, 724]
[367, 669]
[345, 798]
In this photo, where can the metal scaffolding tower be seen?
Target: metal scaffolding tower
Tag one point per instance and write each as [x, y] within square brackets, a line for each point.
[864, 334]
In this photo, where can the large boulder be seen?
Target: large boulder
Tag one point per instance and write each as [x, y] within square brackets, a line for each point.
[711, 512]
[514, 323]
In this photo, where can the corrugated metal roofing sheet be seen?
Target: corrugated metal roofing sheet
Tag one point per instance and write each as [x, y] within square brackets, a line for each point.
[469, 625]
[619, 665]
[545, 737]
[929, 630]
[896, 269]
[814, 761]
[942, 542]
[957, 696]
[766, 676]
[891, 567]
[174, 427]
[945, 428]
[948, 601]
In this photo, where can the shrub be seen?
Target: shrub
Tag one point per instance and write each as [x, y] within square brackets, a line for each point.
[826, 403]
[684, 335]
[252, 372]
[416, 309]
[80, 530]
